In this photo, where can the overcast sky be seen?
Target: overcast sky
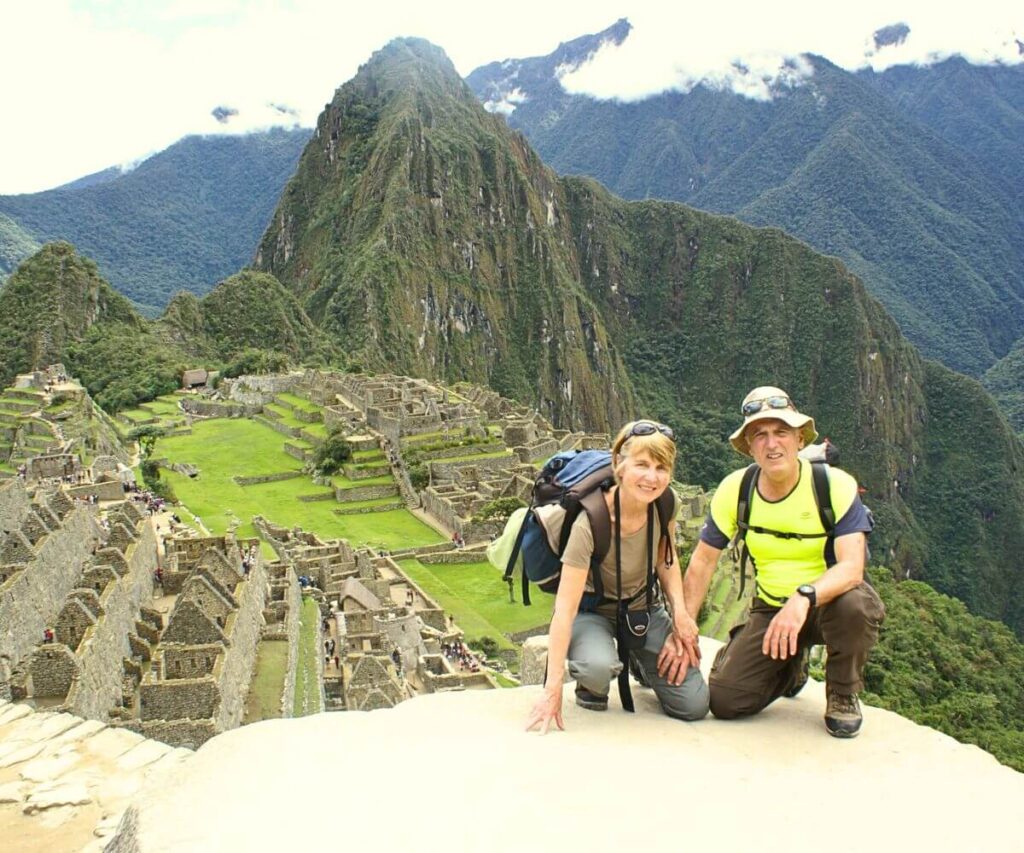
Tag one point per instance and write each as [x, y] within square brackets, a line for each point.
[92, 83]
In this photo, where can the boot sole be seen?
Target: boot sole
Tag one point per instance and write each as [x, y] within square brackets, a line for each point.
[841, 734]
[592, 704]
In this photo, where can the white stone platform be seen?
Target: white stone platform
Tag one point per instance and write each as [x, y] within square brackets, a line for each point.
[454, 772]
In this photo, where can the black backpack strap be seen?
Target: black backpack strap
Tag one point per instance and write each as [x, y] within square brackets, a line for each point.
[823, 496]
[649, 585]
[823, 499]
[744, 500]
[666, 507]
[625, 694]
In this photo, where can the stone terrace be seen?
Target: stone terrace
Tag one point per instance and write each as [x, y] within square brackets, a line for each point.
[389, 631]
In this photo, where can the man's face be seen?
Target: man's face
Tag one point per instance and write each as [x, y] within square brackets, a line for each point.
[774, 445]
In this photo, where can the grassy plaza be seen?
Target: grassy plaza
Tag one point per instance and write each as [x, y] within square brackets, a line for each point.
[225, 448]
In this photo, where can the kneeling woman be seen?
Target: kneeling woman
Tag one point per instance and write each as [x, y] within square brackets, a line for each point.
[668, 655]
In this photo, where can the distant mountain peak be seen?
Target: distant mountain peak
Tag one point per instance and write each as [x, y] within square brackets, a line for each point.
[223, 114]
[892, 35]
[510, 81]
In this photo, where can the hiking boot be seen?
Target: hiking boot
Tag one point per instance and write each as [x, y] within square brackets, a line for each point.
[842, 716]
[803, 673]
[590, 701]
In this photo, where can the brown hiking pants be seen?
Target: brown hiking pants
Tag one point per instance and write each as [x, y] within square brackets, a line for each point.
[744, 680]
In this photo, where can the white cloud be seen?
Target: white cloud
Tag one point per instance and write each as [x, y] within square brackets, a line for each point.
[753, 48]
[88, 83]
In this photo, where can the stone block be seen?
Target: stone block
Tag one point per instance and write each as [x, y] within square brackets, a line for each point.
[51, 796]
[534, 660]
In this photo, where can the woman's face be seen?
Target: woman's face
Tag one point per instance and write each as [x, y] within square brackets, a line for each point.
[642, 477]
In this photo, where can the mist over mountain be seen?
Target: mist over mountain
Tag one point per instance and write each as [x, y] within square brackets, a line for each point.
[920, 202]
[182, 220]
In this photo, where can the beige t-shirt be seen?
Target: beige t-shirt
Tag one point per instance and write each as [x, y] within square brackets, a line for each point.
[580, 548]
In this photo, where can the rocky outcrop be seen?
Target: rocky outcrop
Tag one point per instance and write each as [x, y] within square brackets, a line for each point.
[65, 781]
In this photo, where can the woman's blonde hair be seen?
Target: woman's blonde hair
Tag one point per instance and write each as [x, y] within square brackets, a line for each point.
[659, 447]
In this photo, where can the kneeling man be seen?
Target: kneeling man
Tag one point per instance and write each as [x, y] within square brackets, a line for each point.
[809, 583]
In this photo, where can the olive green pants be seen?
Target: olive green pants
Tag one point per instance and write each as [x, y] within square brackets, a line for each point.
[744, 680]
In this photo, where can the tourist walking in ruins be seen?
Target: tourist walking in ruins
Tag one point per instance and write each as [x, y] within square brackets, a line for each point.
[809, 580]
[584, 624]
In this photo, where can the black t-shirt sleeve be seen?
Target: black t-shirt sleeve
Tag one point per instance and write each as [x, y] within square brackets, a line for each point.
[710, 534]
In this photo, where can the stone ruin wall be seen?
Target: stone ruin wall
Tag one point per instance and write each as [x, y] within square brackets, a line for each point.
[178, 699]
[104, 647]
[31, 599]
[109, 490]
[14, 505]
[216, 409]
[243, 641]
[294, 598]
[256, 390]
[189, 711]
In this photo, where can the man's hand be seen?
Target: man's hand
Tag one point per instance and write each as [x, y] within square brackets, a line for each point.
[780, 640]
[673, 660]
[688, 633]
[547, 708]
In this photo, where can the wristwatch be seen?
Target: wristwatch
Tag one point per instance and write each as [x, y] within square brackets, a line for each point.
[808, 592]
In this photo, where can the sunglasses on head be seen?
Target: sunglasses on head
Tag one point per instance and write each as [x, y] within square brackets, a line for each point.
[752, 407]
[650, 428]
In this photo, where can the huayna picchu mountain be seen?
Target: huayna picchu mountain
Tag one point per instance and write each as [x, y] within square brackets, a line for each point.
[427, 237]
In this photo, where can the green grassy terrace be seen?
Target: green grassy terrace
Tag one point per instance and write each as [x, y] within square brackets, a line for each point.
[264, 699]
[307, 684]
[299, 402]
[225, 448]
[476, 595]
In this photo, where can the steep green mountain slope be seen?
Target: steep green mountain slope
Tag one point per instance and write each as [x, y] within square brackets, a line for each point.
[943, 667]
[977, 108]
[50, 302]
[184, 219]
[56, 307]
[430, 239]
[15, 246]
[249, 310]
[1005, 382]
[932, 230]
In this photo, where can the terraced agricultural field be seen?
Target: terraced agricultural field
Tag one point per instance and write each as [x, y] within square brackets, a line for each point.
[476, 595]
[225, 448]
[163, 412]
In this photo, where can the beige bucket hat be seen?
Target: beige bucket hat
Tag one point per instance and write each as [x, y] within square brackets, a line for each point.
[775, 403]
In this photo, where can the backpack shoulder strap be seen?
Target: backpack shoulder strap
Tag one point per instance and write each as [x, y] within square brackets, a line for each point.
[594, 506]
[744, 499]
[823, 496]
[665, 506]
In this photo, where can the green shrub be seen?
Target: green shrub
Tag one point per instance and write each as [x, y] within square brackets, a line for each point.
[419, 476]
[499, 508]
[332, 454]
